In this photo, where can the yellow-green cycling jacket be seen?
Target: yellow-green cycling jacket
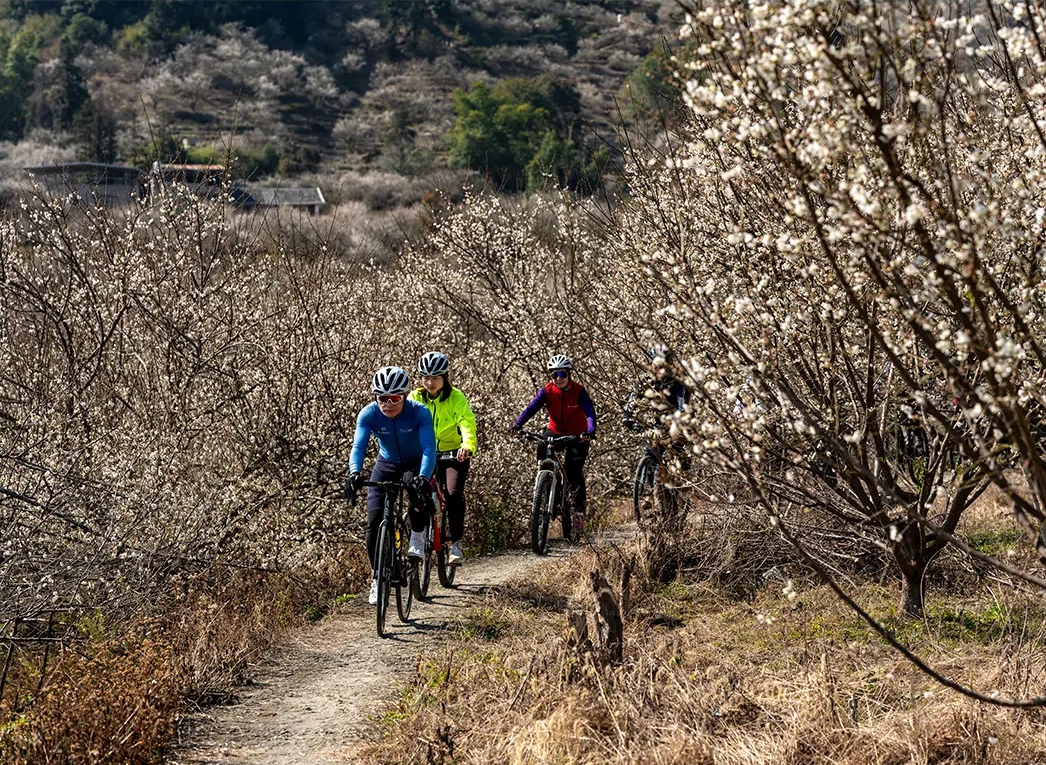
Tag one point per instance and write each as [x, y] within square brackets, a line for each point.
[452, 419]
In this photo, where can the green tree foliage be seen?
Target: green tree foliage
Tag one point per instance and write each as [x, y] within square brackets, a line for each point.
[521, 132]
[256, 163]
[653, 89]
[94, 129]
[62, 97]
[414, 25]
[83, 29]
[19, 56]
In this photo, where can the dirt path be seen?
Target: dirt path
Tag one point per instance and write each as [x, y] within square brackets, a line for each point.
[314, 697]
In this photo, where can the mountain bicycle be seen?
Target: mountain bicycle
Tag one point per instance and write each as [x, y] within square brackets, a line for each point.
[437, 538]
[652, 499]
[550, 499]
[394, 569]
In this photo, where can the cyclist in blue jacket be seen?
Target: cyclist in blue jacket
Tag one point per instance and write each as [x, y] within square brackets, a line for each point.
[406, 444]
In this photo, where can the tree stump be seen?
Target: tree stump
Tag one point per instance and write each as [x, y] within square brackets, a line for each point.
[576, 633]
[608, 618]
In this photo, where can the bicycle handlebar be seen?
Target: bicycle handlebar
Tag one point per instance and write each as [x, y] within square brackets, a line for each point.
[550, 439]
[402, 483]
[451, 454]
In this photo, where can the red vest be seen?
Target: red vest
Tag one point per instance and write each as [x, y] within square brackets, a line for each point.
[565, 415]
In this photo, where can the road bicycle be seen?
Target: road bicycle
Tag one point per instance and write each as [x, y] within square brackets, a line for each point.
[394, 569]
[550, 498]
[437, 537]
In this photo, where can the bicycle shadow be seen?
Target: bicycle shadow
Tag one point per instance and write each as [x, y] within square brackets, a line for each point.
[472, 590]
[406, 632]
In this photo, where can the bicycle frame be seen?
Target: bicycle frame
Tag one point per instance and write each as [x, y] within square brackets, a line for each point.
[553, 462]
[440, 529]
[441, 498]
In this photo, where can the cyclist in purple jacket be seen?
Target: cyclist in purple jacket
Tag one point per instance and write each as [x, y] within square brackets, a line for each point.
[570, 413]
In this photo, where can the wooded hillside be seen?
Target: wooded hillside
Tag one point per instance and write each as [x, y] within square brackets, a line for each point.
[324, 88]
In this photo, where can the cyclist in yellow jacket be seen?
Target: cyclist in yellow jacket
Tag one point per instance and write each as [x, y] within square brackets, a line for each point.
[455, 427]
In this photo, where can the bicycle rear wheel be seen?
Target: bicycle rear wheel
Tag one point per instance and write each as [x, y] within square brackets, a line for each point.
[407, 574]
[541, 513]
[642, 489]
[571, 530]
[385, 571]
[668, 512]
[445, 570]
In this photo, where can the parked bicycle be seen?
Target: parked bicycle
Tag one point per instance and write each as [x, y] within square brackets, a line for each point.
[437, 538]
[551, 500]
[393, 568]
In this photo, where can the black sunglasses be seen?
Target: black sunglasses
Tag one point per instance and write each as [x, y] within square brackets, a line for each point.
[559, 374]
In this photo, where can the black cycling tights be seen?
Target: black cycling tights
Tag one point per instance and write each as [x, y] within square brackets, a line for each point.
[452, 475]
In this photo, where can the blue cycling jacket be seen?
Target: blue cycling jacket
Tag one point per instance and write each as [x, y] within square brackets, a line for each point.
[407, 436]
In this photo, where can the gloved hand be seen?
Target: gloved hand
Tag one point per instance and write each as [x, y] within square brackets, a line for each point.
[515, 431]
[352, 486]
[420, 484]
[588, 436]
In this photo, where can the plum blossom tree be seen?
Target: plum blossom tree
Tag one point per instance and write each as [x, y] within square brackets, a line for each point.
[848, 239]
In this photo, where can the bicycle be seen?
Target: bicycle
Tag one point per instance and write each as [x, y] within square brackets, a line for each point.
[437, 539]
[393, 567]
[652, 500]
[549, 499]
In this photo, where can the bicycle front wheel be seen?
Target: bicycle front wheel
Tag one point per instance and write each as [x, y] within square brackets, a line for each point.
[642, 489]
[385, 571]
[406, 583]
[542, 511]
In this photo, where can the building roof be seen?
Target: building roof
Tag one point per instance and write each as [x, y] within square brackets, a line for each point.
[180, 168]
[284, 197]
[78, 167]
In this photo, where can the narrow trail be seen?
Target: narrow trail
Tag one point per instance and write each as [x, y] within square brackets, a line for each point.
[314, 696]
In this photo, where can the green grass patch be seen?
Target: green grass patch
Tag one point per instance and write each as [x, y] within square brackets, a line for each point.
[482, 623]
[995, 542]
[313, 612]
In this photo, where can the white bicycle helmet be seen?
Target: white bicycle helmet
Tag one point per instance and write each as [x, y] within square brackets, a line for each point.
[659, 352]
[559, 361]
[433, 363]
[389, 380]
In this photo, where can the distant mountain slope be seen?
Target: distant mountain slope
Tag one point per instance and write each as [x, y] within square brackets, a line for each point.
[318, 87]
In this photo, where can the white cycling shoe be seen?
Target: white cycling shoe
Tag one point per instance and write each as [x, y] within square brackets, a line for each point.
[373, 597]
[416, 549]
[455, 556]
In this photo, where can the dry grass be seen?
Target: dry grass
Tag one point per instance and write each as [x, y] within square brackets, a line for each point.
[770, 680]
[115, 695]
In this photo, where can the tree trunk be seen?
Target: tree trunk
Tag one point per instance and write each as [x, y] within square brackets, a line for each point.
[911, 603]
[912, 553]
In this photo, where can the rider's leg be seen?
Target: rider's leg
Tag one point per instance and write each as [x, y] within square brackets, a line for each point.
[418, 515]
[454, 477]
[542, 448]
[574, 466]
